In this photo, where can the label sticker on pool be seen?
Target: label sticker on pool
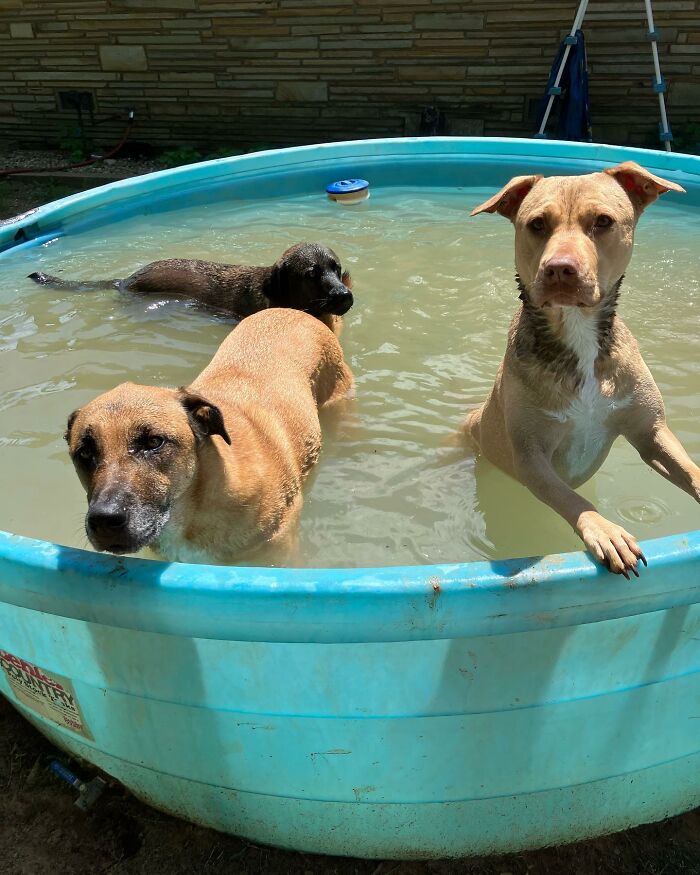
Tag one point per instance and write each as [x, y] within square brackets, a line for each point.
[50, 695]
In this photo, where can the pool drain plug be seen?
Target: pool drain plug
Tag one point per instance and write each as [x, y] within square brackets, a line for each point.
[88, 792]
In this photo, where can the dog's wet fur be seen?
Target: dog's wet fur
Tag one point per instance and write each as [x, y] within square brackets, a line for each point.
[307, 277]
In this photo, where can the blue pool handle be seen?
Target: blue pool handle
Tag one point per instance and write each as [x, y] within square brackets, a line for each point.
[66, 775]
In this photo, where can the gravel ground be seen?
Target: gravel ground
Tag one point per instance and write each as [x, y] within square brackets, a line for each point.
[42, 833]
[49, 177]
[21, 193]
[43, 159]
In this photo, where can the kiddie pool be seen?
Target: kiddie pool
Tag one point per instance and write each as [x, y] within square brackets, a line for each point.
[393, 712]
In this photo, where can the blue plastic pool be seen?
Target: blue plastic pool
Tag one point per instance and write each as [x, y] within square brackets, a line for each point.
[399, 712]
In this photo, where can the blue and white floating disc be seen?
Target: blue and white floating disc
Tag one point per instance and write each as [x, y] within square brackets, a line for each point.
[348, 191]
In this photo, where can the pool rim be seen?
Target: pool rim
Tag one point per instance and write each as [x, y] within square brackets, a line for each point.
[43, 224]
[571, 588]
[342, 605]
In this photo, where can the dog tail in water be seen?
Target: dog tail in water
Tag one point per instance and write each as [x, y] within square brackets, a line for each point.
[45, 279]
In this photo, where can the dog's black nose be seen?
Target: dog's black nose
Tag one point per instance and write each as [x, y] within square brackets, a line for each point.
[107, 518]
[341, 303]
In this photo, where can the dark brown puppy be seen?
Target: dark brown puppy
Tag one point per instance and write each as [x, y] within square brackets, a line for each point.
[306, 277]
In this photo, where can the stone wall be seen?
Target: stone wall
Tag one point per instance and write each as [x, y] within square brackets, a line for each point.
[245, 73]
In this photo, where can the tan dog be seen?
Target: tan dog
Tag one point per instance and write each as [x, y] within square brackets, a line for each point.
[214, 471]
[573, 379]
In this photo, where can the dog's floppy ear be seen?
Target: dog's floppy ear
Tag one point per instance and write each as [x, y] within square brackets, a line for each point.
[278, 289]
[507, 201]
[642, 186]
[69, 425]
[205, 418]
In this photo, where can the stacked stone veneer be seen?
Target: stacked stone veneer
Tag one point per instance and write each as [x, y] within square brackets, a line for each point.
[244, 73]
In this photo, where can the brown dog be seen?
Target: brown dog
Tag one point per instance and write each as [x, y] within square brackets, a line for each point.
[306, 277]
[573, 379]
[214, 471]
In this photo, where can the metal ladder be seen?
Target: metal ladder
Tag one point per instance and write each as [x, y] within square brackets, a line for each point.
[658, 83]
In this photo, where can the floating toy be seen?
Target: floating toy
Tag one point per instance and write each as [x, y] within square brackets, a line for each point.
[348, 191]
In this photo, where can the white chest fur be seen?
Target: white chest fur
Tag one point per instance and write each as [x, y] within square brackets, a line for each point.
[174, 548]
[589, 436]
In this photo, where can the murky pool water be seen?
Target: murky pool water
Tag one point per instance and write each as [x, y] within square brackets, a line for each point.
[434, 296]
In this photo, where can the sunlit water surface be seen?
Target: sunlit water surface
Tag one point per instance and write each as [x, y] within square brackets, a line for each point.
[434, 296]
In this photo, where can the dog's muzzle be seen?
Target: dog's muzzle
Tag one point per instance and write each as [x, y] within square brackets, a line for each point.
[340, 303]
[338, 299]
[561, 282]
[114, 525]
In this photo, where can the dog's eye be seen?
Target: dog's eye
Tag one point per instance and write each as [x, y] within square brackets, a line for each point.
[603, 222]
[154, 442]
[85, 455]
[537, 225]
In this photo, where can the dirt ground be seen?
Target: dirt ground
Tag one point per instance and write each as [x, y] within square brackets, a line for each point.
[43, 833]
[21, 193]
